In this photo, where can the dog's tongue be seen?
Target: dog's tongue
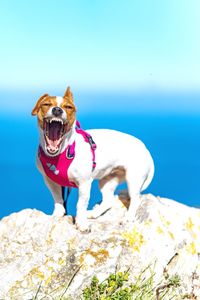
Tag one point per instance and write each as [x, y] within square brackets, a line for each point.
[54, 136]
[53, 145]
[54, 131]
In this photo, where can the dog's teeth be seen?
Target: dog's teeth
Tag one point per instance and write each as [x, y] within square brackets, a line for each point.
[55, 120]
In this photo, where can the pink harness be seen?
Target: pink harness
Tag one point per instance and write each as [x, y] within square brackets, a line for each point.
[56, 168]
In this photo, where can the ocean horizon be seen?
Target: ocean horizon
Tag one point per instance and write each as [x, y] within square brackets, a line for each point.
[172, 137]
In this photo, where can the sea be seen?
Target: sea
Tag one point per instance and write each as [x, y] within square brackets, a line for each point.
[171, 135]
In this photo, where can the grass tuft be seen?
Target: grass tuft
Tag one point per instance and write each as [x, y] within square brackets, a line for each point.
[117, 287]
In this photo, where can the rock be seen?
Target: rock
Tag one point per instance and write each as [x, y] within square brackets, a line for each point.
[46, 256]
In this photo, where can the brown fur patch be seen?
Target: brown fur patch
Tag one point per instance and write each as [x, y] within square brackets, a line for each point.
[118, 172]
[69, 107]
[42, 106]
[124, 198]
[45, 102]
[36, 107]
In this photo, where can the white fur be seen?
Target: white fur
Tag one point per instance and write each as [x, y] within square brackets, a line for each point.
[114, 149]
[59, 100]
[59, 210]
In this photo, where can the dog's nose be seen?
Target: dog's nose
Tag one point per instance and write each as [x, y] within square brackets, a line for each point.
[57, 111]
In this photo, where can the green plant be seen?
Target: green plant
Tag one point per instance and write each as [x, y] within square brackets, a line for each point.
[112, 288]
[163, 289]
[117, 287]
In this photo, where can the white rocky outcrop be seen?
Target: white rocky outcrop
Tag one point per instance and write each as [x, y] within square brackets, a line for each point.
[48, 257]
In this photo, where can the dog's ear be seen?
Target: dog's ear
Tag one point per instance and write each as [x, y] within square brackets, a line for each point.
[37, 106]
[68, 94]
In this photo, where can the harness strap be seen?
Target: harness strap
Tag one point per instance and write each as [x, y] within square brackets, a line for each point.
[88, 139]
[56, 167]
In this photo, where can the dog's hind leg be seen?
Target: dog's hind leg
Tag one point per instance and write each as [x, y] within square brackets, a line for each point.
[83, 199]
[135, 183]
[107, 187]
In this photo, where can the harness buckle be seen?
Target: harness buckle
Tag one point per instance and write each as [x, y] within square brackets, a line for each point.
[93, 165]
[91, 142]
[70, 155]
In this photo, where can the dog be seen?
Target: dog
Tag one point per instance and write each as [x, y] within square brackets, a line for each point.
[69, 156]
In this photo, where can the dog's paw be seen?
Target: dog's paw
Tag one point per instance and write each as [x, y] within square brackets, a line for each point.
[83, 225]
[97, 211]
[94, 213]
[59, 210]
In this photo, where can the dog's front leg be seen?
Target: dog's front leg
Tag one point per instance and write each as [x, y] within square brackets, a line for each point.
[56, 191]
[83, 199]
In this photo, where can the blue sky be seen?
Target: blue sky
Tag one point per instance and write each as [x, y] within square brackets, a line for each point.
[99, 45]
[120, 57]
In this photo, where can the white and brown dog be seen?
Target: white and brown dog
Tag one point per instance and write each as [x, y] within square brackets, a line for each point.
[119, 157]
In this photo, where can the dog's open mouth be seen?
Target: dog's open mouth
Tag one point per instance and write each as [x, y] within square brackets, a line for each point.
[54, 130]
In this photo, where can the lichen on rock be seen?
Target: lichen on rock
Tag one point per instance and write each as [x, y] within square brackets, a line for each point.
[48, 256]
